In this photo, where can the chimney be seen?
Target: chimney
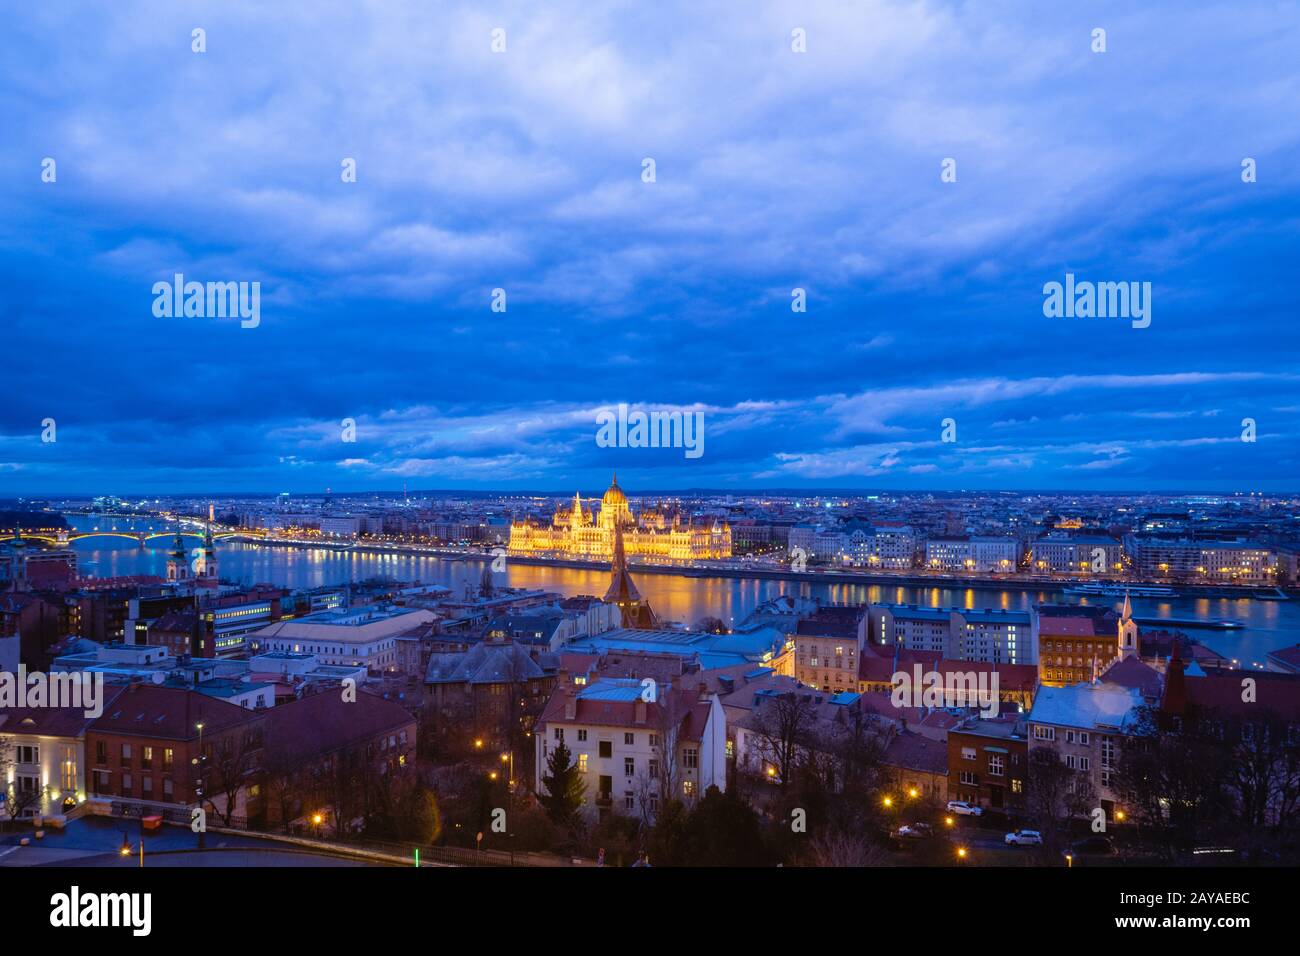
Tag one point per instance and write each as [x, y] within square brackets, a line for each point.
[704, 690]
[570, 705]
[639, 711]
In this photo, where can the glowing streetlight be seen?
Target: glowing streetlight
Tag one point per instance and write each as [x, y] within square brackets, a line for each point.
[961, 853]
[888, 802]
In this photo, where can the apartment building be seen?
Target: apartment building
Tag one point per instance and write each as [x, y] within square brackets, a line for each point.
[1085, 726]
[973, 553]
[988, 763]
[634, 753]
[1079, 642]
[828, 646]
[885, 546]
[1220, 562]
[47, 756]
[990, 635]
[1081, 555]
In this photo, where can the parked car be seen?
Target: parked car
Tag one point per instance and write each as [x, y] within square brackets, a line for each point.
[964, 809]
[1024, 838]
[914, 831]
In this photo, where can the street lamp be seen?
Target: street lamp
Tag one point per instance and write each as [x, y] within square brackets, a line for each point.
[201, 762]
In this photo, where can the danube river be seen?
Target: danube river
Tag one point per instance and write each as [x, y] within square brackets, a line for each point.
[1267, 624]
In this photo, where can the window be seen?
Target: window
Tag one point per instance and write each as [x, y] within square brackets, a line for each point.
[967, 753]
[968, 777]
[29, 753]
[126, 784]
[688, 788]
[146, 757]
[582, 763]
[126, 755]
[629, 739]
[1017, 786]
[559, 734]
[629, 766]
[146, 786]
[1107, 752]
[997, 765]
[654, 740]
[606, 748]
[167, 759]
[167, 787]
[582, 734]
[1044, 733]
[629, 801]
[652, 768]
[69, 768]
[690, 758]
[101, 752]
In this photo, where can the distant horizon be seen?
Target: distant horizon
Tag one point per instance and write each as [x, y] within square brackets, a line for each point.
[634, 492]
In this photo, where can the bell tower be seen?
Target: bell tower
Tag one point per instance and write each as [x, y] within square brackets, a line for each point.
[1128, 632]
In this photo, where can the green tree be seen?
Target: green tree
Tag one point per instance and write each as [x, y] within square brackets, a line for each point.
[564, 786]
[670, 839]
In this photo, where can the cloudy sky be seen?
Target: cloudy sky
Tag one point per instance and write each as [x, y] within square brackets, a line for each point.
[774, 170]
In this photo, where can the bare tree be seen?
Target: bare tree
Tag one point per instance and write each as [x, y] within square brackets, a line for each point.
[1055, 792]
[668, 714]
[234, 761]
[782, 725]
[840, 848]
[18, 799]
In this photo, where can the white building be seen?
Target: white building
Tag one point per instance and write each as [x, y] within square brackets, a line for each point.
[990, 635]
[1084, 724]
[630, 751]
[361, 637]
[974, 553]
[47, 753]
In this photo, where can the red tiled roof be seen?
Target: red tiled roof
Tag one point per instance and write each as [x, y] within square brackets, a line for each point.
[53, 721]
[1069, 627]
[171, 713]
[1276, 695]
[622, 713]
[325, 723]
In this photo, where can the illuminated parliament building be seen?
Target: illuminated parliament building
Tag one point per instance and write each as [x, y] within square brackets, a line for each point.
[582, 532]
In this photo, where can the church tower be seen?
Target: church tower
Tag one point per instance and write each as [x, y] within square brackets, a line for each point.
[18, 563]
[207, 570]
[178, 563]
[635, 610]
[1128, 631]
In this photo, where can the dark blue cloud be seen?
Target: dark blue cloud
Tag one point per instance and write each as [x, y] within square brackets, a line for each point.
[522, 171]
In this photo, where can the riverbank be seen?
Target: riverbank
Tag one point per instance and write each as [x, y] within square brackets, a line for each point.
[850, 577]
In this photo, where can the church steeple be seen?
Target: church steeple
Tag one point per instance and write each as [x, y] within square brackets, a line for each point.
[1128, 631]
[178, 565]
[622, 590]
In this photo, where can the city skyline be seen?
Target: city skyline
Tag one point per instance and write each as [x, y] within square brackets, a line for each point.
[774, 171]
